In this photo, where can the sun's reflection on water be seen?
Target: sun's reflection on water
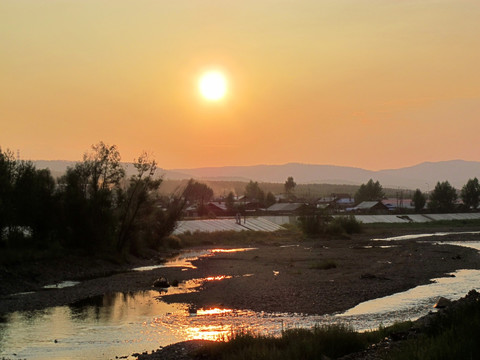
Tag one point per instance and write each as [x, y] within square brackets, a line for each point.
[125, 323]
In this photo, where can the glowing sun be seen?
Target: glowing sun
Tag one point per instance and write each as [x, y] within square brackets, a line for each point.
[213, 85]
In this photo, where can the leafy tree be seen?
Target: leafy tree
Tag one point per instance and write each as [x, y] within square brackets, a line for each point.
[34, 204]
[442, 198]
[93, 207]
[89, 198]
[253, 192]
[289, 185]
[419, 200]
[270, 199]
[198, 193]
[103, 167]
[371, 191]
[7, 169]
[230, 201]
[471, 194]
[137, 206]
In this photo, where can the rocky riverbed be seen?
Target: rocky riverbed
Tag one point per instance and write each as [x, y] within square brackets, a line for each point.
[284, 275]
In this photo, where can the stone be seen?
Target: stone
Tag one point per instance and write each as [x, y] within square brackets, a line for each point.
[161, 282]
[442, 303]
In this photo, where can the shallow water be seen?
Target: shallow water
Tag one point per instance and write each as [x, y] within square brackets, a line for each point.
[123, 324]
[185, 258]
[419, 236]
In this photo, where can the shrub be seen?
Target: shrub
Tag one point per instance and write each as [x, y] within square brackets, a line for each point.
[314, 225]
[349, 224]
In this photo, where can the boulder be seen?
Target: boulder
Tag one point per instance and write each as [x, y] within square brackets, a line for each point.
[161, 282]
[442, 303]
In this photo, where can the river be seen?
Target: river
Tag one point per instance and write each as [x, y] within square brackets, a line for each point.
[125, 323]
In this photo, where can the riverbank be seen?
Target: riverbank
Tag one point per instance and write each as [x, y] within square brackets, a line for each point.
[325, 276]
[428, 338]
[285, 273]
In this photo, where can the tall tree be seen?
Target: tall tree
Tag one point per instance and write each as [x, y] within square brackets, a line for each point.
[371, 191]
[90, 192]
[103, 167]
[471, 194]
[7, 170]
[137, 204]
[442, 198]
[289, 185]
[419, 200]
[198, 192]
[270, 199]
[34, 202]
[253, 192]
[230, 201]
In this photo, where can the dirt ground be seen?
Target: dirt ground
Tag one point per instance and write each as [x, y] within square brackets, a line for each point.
[288, 275]
[280, 276]
[325, 276]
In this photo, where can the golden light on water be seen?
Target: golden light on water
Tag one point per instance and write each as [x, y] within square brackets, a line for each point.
[217, 278]
[214, 311]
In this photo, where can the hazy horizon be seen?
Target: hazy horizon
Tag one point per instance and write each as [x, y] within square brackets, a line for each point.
[265, 164]
[376, 84]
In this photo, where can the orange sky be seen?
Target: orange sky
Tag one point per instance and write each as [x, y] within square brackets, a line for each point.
[366, 83]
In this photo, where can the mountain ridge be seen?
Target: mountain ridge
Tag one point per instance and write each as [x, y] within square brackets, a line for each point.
[423, 175]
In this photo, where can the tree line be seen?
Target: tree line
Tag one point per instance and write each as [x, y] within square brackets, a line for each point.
[93, 206]
[442, 199]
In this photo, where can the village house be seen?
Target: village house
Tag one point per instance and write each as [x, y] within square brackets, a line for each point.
[371, 207]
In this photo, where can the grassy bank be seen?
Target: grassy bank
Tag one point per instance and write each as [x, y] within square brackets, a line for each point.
[442, 225]
[293, 233]
[452, 333]
[321, 342]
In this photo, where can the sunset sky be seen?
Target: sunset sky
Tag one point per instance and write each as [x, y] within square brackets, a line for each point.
[368, 83]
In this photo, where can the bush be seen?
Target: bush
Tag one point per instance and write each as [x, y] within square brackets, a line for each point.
[349, 224]
[315, 225]
[312, 225]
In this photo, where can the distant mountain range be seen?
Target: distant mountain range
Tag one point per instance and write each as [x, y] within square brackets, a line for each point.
[423, 176]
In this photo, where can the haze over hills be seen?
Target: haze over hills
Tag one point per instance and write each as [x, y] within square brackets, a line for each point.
[423, 176]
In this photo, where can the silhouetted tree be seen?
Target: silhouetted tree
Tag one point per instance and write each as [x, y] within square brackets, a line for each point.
[137, 207]
[471, 194]
[270, 199]
[230, 201]
[254, 193]
[289, 185]
[442, 198]
[90, 192]
[34, 204]
[198, 193]
[371, 191]
[419, 200]
[7, 169]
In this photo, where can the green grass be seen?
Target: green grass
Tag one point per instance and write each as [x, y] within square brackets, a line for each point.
[451, 334]
[332, 341]
[454, 334]
[234, 238]
[427, 226]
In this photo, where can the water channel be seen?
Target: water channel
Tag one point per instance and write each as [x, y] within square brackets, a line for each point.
[125, 323]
